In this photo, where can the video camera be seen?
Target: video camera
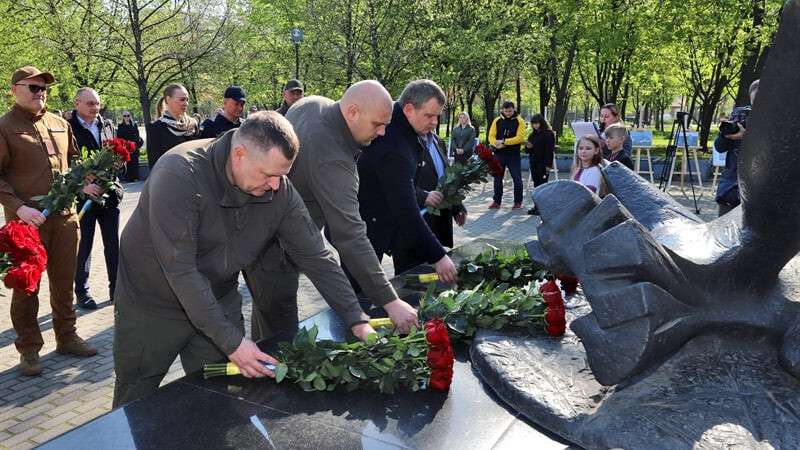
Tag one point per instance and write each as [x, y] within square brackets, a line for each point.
[739, 115]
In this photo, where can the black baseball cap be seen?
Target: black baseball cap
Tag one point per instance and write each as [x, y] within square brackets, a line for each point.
[235, 92]
[293, 85]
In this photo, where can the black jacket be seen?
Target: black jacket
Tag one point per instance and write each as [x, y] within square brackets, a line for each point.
[85, 138]
[217, 127]
[160, 140]
[544, 144]
[387, 195]
[427, 180]
[130, 132]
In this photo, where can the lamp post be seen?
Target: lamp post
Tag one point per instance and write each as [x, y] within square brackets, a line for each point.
[297, 38]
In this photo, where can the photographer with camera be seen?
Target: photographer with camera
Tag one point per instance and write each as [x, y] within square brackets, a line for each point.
[731, 133]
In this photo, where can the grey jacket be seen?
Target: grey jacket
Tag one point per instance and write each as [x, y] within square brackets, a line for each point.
[193, 232]
[463, 138]
[326, 177]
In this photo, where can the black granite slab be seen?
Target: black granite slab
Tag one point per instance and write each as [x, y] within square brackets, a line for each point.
[236, 412]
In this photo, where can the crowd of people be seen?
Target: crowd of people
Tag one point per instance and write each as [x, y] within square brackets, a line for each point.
[257, 197]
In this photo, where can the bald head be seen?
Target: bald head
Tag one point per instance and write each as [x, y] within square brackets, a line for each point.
[87, 104]
[367, 109]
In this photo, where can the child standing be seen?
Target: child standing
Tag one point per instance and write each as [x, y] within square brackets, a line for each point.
[586, 168]
[615, 142]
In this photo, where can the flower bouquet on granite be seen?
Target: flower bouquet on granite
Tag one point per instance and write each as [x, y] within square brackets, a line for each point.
[512, 267]
[22, 256]
[525, 308]
[423, 359]
[459, 178]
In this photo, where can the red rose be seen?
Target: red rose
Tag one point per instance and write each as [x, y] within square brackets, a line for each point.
[24, 277]
[441, 379]
[495, 168]
[483, 152]
[121, 147]
[568, 282]
[20, 240]
[440, 356]
[555, 321]
[436, 333]
[548, 286]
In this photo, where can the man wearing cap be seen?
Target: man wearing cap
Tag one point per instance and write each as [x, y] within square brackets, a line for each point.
[292, 92]
[229, 118]
[33, 144]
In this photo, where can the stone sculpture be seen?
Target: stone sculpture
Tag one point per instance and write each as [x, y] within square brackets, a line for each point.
[691, 330]
[655, 275]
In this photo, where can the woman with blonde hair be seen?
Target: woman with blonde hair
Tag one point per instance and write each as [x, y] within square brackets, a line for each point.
[173, 125]
[463, 139]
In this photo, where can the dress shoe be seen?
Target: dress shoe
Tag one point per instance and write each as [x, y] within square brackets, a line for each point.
[29, 364]
[517, 206]
[76, 346]
[494, 205]
[85, 301]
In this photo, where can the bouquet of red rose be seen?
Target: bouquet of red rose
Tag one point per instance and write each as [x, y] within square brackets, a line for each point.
[98, 167]
[497, 307]
[101, 167]
[22, 256]
[420, 360]
[459, 178]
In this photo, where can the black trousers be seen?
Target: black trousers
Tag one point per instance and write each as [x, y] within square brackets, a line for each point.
[539, 173]
[108, 219]
[132, 167]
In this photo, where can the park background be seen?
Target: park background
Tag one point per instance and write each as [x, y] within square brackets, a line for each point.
[563, 58]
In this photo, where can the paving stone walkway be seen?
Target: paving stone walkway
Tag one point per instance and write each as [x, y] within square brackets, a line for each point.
[73, 391]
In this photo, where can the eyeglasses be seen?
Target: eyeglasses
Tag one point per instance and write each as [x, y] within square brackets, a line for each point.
[126, 115]
[34, 88]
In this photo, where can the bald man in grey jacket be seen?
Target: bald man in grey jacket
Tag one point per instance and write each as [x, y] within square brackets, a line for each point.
[331, 136]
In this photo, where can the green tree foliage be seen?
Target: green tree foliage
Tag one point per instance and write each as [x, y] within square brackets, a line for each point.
[641, 55]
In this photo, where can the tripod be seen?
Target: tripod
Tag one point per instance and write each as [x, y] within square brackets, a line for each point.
[678, 126]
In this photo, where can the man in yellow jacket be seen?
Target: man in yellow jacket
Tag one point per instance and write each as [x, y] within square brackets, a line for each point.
[506, 136]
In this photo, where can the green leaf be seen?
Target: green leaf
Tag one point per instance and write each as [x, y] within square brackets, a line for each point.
[358, 373]
[319, 384]
[311, 377]
[280, 372]
[312, 334]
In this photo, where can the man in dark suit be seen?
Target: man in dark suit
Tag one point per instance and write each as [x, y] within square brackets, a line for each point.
[387, 195]
[90, 131]
[432, 168]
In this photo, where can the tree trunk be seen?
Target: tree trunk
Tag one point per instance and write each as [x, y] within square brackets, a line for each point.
[562, 90]
[755, 56]
[519, 93]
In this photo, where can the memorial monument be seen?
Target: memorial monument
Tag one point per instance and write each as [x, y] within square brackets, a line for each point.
[689, 334]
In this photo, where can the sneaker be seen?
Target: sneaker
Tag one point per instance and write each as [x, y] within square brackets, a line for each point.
[494, 205]
[517, 206]
[29, 364]
[533, 211]
[76, 346]
[85, 301]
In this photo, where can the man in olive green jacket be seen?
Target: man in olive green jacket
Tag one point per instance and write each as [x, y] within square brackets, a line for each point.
[207, 212]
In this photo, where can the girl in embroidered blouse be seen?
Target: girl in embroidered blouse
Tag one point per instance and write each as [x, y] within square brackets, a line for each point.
[586, 168]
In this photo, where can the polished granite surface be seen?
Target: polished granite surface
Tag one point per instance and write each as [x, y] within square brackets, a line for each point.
[236, 412]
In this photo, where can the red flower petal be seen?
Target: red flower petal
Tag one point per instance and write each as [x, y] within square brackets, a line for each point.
[440, 356]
